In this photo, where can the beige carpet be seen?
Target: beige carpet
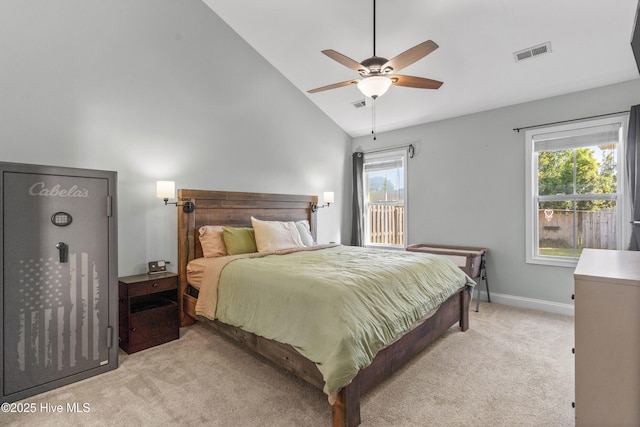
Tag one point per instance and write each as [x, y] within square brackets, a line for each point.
[513, 367]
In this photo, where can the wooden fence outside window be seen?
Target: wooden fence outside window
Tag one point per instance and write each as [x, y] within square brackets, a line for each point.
[595, 229]
[386, 223]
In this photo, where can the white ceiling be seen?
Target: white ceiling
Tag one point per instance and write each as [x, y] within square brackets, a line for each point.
[590, 42]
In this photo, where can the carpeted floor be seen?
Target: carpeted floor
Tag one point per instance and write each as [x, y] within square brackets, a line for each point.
[513, 367]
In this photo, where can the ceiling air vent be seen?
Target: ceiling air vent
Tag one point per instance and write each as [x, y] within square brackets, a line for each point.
[532, 51]
[359, 104]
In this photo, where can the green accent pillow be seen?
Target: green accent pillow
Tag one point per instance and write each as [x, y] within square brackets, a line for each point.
[239, 240]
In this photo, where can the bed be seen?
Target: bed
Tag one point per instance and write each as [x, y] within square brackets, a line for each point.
[235, 209]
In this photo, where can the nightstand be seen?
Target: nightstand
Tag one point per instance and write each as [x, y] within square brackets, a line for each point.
[148, 305]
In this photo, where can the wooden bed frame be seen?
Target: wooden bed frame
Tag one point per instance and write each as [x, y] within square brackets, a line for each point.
[236, 209]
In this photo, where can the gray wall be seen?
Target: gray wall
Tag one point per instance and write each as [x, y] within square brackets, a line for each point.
[466, 184]
[159, 89]
[163, 89]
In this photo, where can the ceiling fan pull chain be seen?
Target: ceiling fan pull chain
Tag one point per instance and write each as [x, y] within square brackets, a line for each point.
[373, 118]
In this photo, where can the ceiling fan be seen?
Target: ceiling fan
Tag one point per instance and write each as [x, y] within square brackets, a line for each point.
[378, 73]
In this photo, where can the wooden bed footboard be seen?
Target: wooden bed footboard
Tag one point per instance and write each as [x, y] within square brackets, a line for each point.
[236, 209]
[346, 410]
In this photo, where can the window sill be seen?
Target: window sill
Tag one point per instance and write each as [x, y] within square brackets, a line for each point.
[554, 261]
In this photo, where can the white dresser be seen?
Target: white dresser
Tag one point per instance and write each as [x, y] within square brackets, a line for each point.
[607, 338]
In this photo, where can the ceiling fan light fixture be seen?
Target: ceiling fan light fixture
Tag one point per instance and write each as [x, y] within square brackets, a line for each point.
[374, 86]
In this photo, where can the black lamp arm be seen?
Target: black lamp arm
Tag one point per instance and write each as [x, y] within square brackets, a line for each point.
[315, 206]
[187, 207]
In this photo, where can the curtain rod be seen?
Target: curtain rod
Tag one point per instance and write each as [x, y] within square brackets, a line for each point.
[410, 147]
[569, 121]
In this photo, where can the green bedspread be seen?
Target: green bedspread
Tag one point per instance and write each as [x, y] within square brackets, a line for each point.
[337, 306]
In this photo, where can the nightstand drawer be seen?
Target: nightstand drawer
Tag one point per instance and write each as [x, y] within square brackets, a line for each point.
[152, 286]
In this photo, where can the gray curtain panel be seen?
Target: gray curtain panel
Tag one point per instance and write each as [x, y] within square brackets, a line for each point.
[633, 171]
[357, 226]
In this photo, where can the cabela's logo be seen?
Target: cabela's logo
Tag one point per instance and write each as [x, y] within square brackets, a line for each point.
[39, 189]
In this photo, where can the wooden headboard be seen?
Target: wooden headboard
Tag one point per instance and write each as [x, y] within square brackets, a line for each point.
[232, 209]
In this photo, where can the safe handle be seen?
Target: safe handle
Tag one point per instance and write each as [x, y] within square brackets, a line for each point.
[63, 251]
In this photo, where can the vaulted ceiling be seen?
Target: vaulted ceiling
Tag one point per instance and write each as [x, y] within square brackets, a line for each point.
[589, 41]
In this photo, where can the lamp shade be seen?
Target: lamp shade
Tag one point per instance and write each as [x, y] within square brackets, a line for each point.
[374, 86]
[165, 189]
[327, 197]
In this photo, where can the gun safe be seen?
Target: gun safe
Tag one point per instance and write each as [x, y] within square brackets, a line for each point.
[59, 280]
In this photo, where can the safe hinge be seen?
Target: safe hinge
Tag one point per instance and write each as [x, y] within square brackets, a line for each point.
[109, 336]
[109, 206]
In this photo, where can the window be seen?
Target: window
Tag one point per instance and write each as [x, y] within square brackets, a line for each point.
[575, 187]
[385, 184]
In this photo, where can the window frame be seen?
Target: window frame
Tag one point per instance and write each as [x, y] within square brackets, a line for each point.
[389, 155]
[623, 205]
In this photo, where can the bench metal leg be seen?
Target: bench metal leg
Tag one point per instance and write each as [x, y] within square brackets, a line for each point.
[483, 277]
[486, 281]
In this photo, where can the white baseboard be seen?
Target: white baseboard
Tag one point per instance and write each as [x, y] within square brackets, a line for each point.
[535, 304]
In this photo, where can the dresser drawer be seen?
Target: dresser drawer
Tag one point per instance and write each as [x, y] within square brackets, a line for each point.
[152, 286]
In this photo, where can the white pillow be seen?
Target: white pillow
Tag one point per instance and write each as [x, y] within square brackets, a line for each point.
[275, 235]
[305, 232]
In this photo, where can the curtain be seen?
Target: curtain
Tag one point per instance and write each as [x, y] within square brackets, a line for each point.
[357, 226]
[633, 171]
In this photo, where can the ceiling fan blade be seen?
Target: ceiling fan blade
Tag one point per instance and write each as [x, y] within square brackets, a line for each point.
[333, 86]
[345, 60]
[410, 56]
[417, 82]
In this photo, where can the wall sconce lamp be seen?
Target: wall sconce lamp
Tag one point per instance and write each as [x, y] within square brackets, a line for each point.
[167, 190]
[327, 198]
